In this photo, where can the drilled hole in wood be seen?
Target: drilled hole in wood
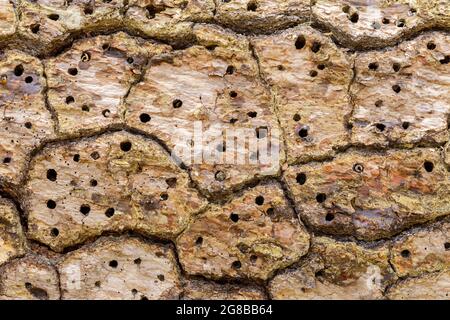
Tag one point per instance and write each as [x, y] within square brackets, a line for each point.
[110, 212]
[234, 217]
[144, 117]
[177, 103]
[51, 204]
[85, 209]
[301, 178]
[405, 254]
[321, 197]
[113, 264]
[72, 71]
[316, 46]
[52, 175]
[70, 100]
[300, 42]
[259, 200]
[125, 146]
[429, 166]
[18, 70]
[354, 17]
[230, 70]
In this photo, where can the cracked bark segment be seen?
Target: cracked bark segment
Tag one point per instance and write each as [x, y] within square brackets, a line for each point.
[401, 94]
[24, 119]
[170, 21]
[422, 250]
[379, 23]
[7, 20]
[336, 270]
[113, 182]
[310, 77]
[371, 195]
[264, 16]
[254, 235]
[120, 268]
[47, 24]
[12, 239]
[88, 82]
[29, 278]
[210, 89]
[434, 286]
[208, 290]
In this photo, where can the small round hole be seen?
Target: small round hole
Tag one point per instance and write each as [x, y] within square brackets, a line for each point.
[70, 100]
[137, 261]
[431, 45]
[230, 70]
[316, 46]
[106, 46]
[251, 6]
[447, 246]
[303, 133]
[297, 117]
[446, 60]
[234, 217]
[381, 127]
[51, 204]
[54, 232]
[35, 28]
[171, 182]
[164, 196]
[177, 103]
[329, 217]
[28, 125]
[220, 176]
[321, 197]
[52, 175]
[93, 183]
[233, 94]
[110, 212]
[429, 166]
[199, 241]
[321, 67]
[130, 60]
[405, 254]
[53, 16]
[113, 264]
[379, 103]
[270, 211]
[313, 73]
[73, 71]
[396, 67]
[396, 88]
[236, 265]
[386, 21]
[301, 178]
[405, 125]
[259, 200]
[373, 66]
[95, 155]
[125, 146]
[85, 209]
[161, 277]
[354, 17]
[18, 70]
[144, 117]
[7, 160]
[29, 79]
[85, 108]
[253, 258]
[252, 114]
[76, 158]
[300, 42]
